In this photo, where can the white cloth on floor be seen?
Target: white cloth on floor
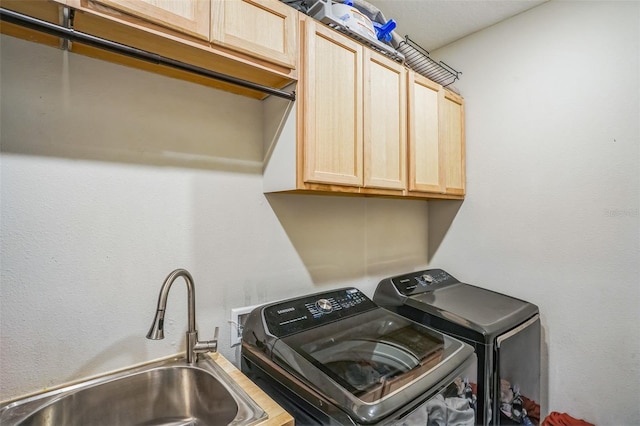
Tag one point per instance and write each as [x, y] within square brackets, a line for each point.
[441, 411]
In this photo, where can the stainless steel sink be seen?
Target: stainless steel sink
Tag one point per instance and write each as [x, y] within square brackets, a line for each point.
[167, 392]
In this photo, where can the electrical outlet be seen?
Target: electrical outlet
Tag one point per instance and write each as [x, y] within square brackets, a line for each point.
[238, 317]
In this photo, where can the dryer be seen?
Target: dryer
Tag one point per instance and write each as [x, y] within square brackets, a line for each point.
[504, 331]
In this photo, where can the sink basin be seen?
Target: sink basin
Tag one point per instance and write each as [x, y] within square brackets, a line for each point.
[167, 392]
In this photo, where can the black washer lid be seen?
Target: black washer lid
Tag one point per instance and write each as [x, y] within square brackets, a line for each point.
[435, 298]
[485, 311]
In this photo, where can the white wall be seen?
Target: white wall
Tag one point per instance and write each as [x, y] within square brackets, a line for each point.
[112, 177]
[552, 212]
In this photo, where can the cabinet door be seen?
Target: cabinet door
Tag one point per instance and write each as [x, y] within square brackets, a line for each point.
[385, 134]
[426, 171]
[331, 107]
[452, 134]
[266, 29]
[190, 17]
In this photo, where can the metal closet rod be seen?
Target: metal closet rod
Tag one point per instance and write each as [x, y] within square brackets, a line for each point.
[83, 38]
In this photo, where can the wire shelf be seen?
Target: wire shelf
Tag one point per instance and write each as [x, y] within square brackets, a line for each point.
[378, 47]
[417, 58]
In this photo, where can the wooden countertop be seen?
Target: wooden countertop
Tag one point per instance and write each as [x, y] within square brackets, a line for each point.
[277, 415]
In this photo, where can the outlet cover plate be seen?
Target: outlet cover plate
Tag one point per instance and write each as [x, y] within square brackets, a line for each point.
[238, 317]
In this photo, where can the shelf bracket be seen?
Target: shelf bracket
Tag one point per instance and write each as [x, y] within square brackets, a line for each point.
[67, 22]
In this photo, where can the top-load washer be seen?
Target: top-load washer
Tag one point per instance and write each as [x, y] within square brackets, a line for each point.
[505, 332]
[336, 358]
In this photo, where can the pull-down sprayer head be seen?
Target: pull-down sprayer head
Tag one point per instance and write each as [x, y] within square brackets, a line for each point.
[156, 332]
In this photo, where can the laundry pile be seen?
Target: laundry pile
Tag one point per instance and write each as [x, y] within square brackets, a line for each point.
[456, 406]
[518, 407]
[525, 411]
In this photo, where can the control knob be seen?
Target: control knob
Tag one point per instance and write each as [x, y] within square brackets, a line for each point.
[428, 278]
[324, 305]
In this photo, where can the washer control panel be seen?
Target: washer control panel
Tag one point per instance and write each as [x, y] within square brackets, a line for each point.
[422, 281]
[295, 315]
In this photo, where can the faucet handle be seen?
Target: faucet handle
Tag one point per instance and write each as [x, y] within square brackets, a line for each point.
[208, 345]
[214, 342]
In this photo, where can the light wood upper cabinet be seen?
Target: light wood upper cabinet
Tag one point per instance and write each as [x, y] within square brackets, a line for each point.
[426, 154]
[436, 138]
[192, 17]
[452, 134]
[363, 124]
[353, 114]
[385, 130]
[331, 115]
[266, 29]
